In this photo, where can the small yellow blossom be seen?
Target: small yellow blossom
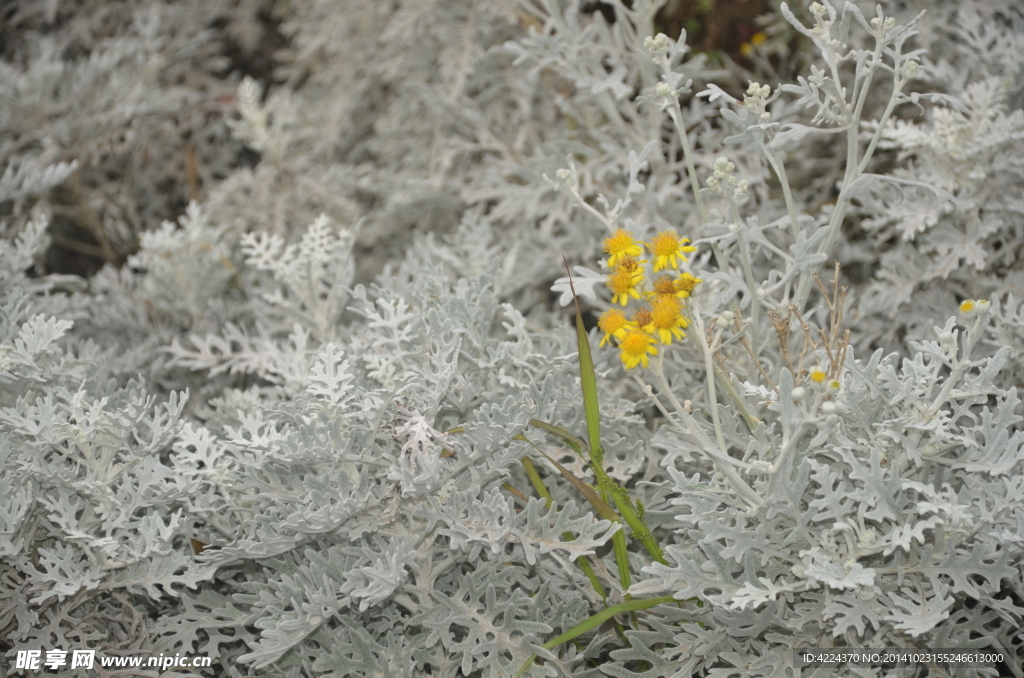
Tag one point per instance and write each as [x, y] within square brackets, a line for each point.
[631, 264]
[817, 375]
[621, 245]
[624, 280]
[614, 324]
[685, 284]
[747, 48]
[642, 318]
[967, 308]
[667, 319]
[635, 348]
[668, 248]
[833, 385]
[663, 286]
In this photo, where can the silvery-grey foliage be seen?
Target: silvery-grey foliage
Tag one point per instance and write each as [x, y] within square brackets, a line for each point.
[285, 426]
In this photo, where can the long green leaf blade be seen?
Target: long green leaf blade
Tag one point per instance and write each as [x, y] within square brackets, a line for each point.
[542, 490]
[588, 378]
[596, 620]
[600, 505]
[575, 443]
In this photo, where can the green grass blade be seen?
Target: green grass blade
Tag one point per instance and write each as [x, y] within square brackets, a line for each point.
[514, 491]
[637, 526]
[588, 378]
[621, 551]
[538, 484]
[575, 443]
[596, 620]
[600, 505]
[588, 382]
[542, 490]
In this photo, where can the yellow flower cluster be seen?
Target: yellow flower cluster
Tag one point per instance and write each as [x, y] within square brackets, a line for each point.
[658, 317]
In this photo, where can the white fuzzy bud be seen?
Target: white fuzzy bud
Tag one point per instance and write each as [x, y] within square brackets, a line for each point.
[658, 45]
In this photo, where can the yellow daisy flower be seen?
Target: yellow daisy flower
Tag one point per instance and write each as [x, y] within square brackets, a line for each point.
[747, 48]
[668, 249]
[642, 319]
[667, 319]
[635, 349]
[624, 280]
[621, 245]
[665, 286]
[818, 375]
[614, 324]
[685, 284]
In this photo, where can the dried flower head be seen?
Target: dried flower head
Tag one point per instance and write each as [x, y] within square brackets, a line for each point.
[643, 318]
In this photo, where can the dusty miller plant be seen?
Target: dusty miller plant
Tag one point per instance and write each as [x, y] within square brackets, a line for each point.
[235, 446]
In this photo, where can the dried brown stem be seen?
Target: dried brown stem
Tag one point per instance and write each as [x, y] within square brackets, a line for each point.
[781, 326]
[81, 213]
[740, 333]
[835, 346]
[808, 343]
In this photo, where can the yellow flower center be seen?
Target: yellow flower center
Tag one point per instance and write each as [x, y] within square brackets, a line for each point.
[630, 264]
[643, 317]
[686, 283]
[665, 314]
[668, 249]
[611, 321]
[967, 306]
[621, 281]
[665, 244]
[636, 342]
[663, 285]
[621, 245]
[818, 375]
[635, 347]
